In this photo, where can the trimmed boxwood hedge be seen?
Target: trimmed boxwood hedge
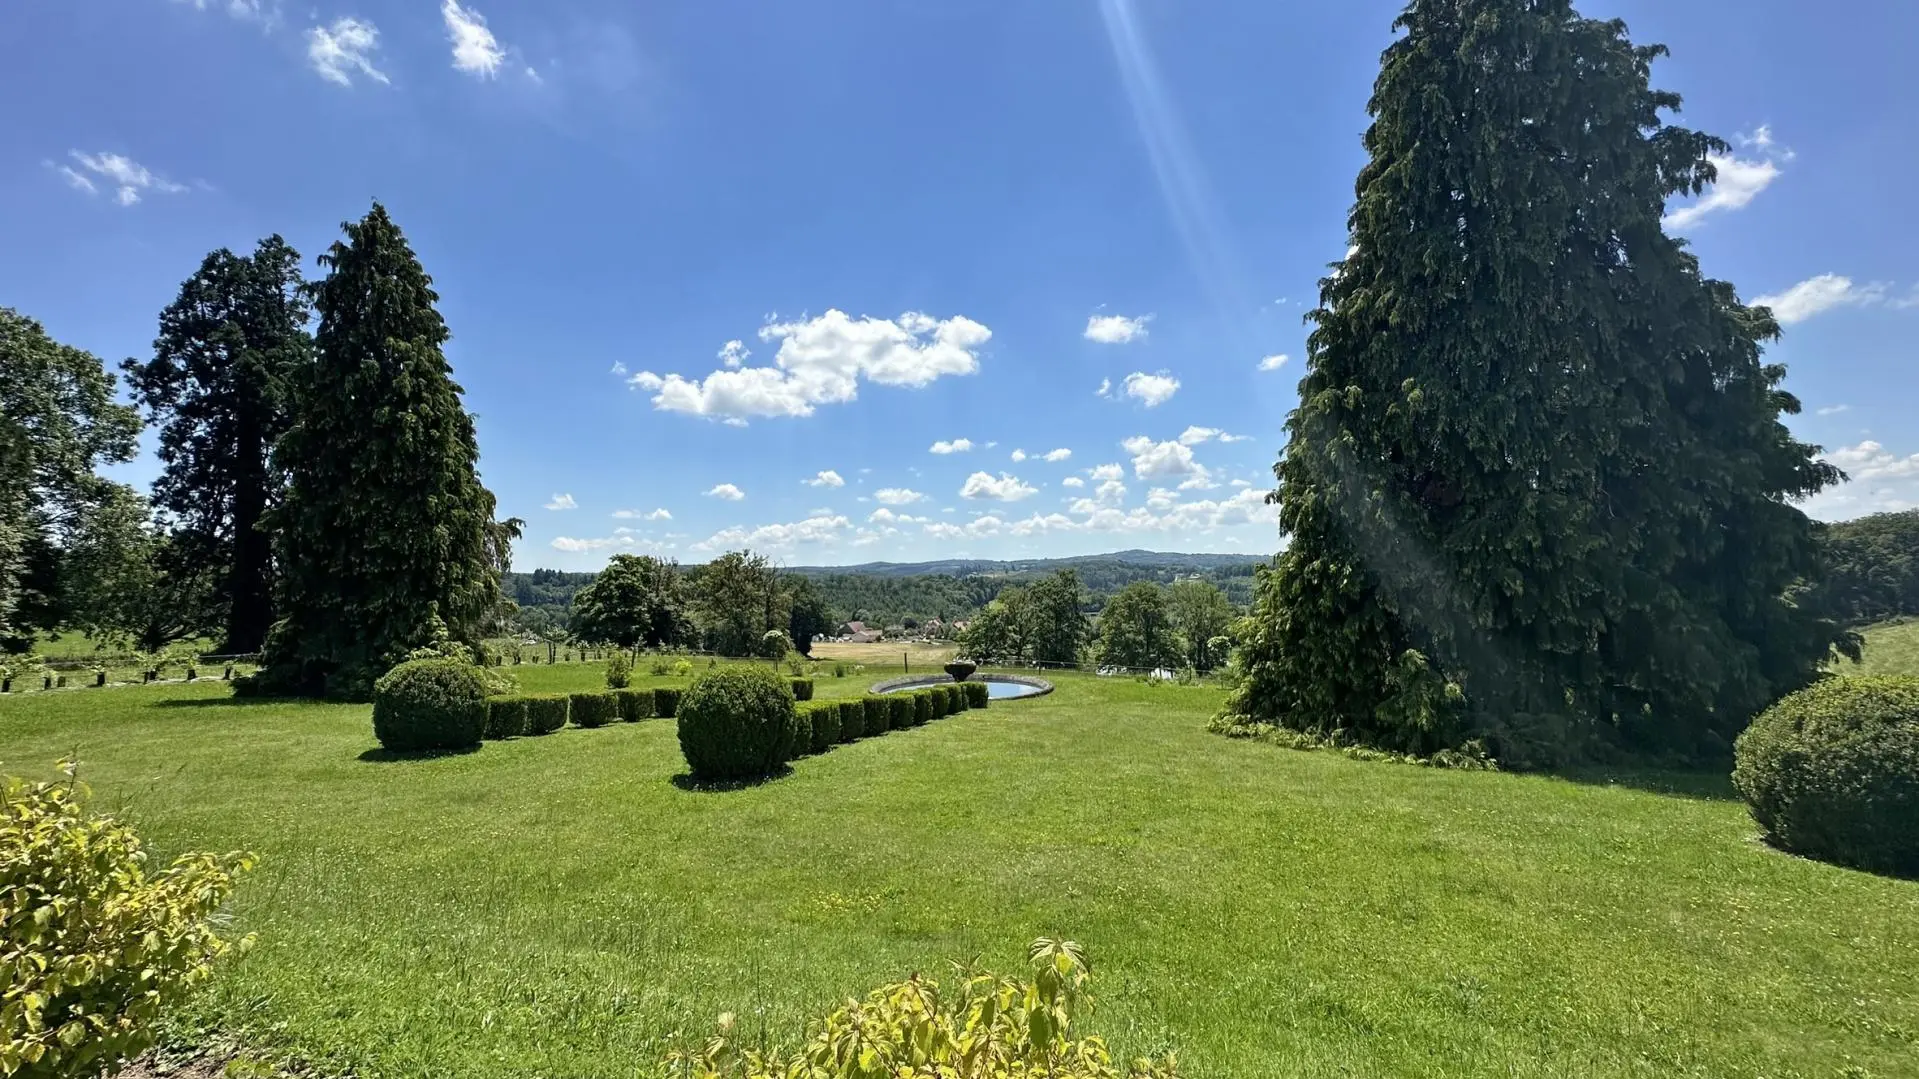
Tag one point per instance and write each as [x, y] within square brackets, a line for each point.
[876, 713]
[505, 717]
[802, 743]
[1832, 772]
[666, 701]
[851, 717]
[546, 713]
[429, 704]
[901, 710]
[592, 709]
[923, 712]
[802, 689]
[977, 695]
[634, 704]
[737, 723]
[955, 698]
[827, 729]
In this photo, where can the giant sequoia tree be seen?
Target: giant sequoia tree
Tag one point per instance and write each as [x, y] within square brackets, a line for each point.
[385, 533]
[1538, 491]
[228, 348]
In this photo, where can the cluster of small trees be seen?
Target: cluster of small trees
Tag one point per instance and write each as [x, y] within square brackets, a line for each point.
[1148, 626]
[739, 604]
[318, 501]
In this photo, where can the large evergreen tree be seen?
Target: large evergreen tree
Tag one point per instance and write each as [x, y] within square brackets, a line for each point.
[228, 348]
[384, 534]
[1537, 487]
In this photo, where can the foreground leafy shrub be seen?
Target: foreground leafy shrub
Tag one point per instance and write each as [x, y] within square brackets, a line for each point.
[902, 710]
[92, 946]
[634, 704]
[802, 689]
[977, 695]
[1832, 772]
[505, 717]
[545, 714]
[619, 669]
[592, 709]
[827, 728]
[429, 704]
[666, 701]
[737, 723]
[990, 1028]
[876, 712]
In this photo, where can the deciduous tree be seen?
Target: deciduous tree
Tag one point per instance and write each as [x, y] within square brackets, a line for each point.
[636, 600]
[1136, 630]
[1200, 613]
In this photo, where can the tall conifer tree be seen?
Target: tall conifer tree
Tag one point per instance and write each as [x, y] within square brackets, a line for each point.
[229, 346]
[1537, 488]
[385, 533]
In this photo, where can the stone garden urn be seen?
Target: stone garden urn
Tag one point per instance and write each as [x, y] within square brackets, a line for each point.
[961, 669]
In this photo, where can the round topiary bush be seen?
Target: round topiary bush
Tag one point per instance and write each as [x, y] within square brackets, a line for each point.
[430, 704]
[737, 723]
[1832, 772]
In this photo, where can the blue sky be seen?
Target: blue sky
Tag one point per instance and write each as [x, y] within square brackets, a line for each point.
[735, 273]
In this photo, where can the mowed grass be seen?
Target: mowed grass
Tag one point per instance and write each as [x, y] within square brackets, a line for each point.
[558, 907]
[1890, 649]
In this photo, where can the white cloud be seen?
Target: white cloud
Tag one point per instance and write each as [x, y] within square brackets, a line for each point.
[1740, 181]
[618, 368]
[636, 515]
[727, 492]
[897, 496]
[1871, 461]
[957, 445]
[1105, 388]
[820, 528]
[1193, 436]
[1151, 390]
[828, 478]
[562, 502]
[1762, 138]
[733, 353]
[1018, 455]
[1107, 472]
[1159, 499]
[128, 177]
[1180, 518]
[1274, 362]
[475, 50]
[1007, 488]
[569, 543]
[1817, 295]
[239, 9]
[1880, 481]
[1834, 410]
[821, 361]
[339, 50]
[1164, 460]
[1240, 483]
[1056, 456]
[1072, 481]
[1116, 329]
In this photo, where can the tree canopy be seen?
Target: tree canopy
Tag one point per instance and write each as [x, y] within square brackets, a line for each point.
[636, 600]
[1136, 630]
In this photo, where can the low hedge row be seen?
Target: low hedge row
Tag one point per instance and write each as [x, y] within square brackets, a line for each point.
[802, 688]
[824, 724]
[512, 717]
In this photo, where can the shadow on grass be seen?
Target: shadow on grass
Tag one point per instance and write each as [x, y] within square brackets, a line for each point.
[1702, 784]
[382, 755]
[686, 782]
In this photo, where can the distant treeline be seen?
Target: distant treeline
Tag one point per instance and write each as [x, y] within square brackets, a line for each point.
[891, 599]
[1872, 568]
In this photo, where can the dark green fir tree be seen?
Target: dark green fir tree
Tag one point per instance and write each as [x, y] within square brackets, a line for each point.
[229, 348]
[1538, 494]
[385, 537]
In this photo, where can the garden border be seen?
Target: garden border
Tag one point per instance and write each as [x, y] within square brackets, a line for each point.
[915, 681]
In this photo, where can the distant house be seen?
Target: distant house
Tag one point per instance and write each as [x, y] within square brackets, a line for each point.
[858, 633]
[850, 629]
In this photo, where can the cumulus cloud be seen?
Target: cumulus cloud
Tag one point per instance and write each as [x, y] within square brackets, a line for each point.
[128, 178]
[1166, 460]
[733, 353]
[562, 502]
[1072, 481]
[1006, 488]
[1151, 390]
[1740, 181]
[1105, 388]
[1101, 473]
[1274, 362]
[897, 496]
[475, 50]
[569, 543]
[957, 445]
[1834, 410]
[1019, 455]
[636, 515]
[1056, 456]
[1817, 295]
[1116, 329]
[726, 491]
[1879, 481]
[817, 529]
[343, 48]
[828, 478]
[822, 361]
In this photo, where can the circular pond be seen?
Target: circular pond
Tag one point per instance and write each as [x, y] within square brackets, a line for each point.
[999, 687]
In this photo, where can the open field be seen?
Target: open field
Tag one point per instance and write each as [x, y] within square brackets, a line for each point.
[557, 906]
[888, 656]
[1890, 649]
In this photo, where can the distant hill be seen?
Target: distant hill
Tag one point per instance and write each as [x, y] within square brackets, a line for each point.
[969, 567]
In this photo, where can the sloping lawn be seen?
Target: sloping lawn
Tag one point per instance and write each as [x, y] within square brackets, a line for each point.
[558, 907]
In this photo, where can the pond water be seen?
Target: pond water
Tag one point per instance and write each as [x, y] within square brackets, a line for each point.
[998, 691]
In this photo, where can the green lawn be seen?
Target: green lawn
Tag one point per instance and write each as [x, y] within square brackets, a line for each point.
[558, 907]
[1890, 649]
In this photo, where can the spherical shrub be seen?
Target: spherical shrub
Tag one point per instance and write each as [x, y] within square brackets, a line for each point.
[592, 709]
[619, 669]
[737, 723]
[429, 704]
[1832, 772]
[902, 710]
[977, 695]
[545, 714]
[505, 717]
[802, 689]
[635, 704]
[666, 701]
[878, 713]
[827, 729]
